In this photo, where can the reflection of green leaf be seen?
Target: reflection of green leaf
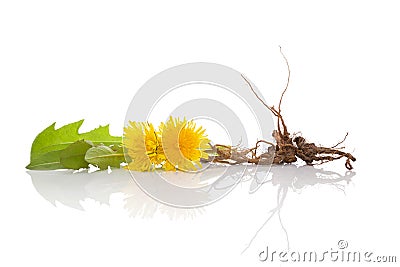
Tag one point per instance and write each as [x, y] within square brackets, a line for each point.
[104, 156]
[47, 146]
[73, 157]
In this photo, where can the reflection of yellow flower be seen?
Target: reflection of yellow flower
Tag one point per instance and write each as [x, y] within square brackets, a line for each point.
[143, 146]
[183, 144]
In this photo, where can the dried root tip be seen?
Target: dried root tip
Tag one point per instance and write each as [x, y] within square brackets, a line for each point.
[311, 153]
[348, 164]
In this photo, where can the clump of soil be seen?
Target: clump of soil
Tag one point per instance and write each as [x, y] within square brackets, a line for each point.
[287, 149]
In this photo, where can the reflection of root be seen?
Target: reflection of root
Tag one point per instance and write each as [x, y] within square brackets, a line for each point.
[282, 191]
[280, 219]
[340, 187]
[288, 148]
[297, 178]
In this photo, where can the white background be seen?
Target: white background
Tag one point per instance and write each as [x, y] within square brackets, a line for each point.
[67, 60]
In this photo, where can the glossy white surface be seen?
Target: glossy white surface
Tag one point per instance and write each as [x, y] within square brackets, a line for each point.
[67, 61]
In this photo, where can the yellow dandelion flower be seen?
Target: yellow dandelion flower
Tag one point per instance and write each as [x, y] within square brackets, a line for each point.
[143, 146]
[183, 143]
